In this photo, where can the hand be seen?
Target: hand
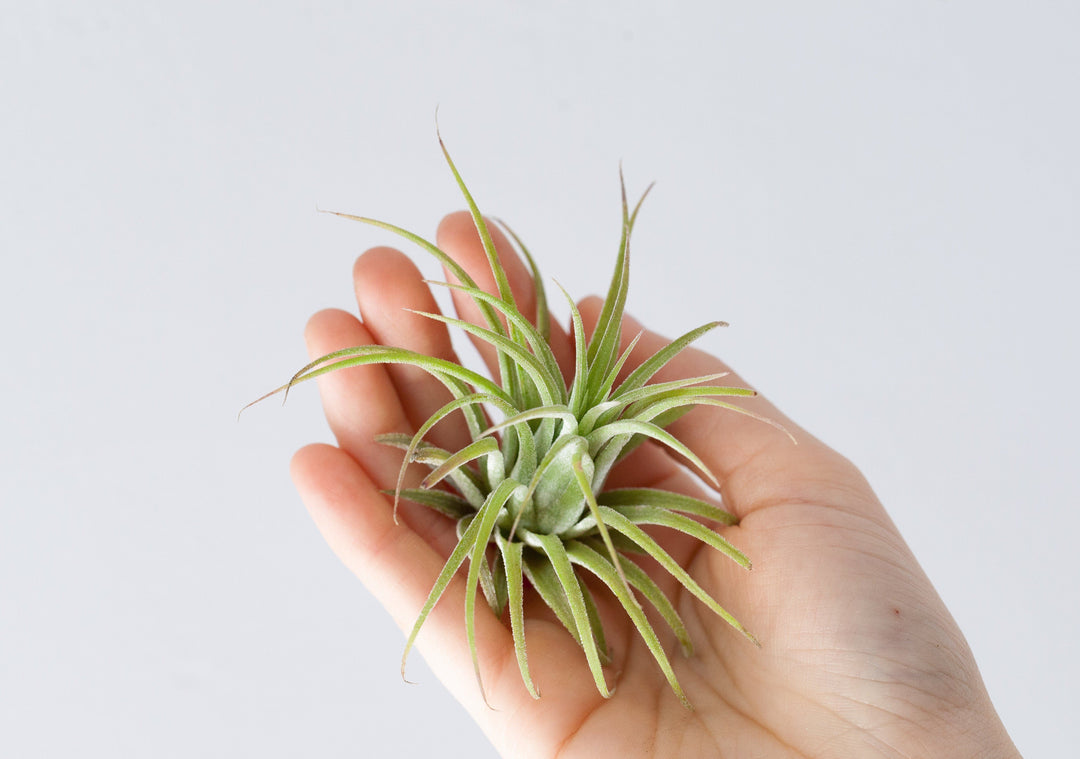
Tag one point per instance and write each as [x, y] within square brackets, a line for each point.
[859, 656]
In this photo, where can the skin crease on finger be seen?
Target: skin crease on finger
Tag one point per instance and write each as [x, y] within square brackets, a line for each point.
[859, 656]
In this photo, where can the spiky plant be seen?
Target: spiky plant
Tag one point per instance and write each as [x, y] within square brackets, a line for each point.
[527, 492]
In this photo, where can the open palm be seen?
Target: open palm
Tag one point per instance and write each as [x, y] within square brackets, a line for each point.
[859, 656]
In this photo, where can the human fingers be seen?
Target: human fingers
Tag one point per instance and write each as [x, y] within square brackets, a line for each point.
[361, 403]
[400, 568]
[389, 290]
[458, 237]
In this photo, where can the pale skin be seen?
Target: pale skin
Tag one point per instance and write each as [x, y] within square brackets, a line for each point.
[859, 656]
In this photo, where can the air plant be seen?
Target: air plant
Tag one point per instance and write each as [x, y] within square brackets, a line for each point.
[527, 493]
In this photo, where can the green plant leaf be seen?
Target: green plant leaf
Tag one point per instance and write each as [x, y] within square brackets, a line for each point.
[559, 412]
[599, 393]
[363, 355]
[584, 556]
[450, 568]
[660, 389]
[605, 339]
[542, 577]
[661, 403]
[578, 394]
[667, 500]
[543, 319]
[650, 366]
[556, 553]
[443, 258]
[497, 270]
[486, 446]
[466, 481]
[549, 388]
[644, 584]
[511, 553]
[617, 521]
[745, 412]
[463, 403]
[628, 403]
[485, 520]
[603, 435]
[590, 499]
[538, 343]
[449, 504]
[665, 518]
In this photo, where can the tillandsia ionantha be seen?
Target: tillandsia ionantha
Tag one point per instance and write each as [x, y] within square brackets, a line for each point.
[527, 492]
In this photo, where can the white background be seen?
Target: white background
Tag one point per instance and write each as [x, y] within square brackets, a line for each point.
[882, 198]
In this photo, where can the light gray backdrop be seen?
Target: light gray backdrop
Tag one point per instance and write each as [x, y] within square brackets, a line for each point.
[880, 197]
